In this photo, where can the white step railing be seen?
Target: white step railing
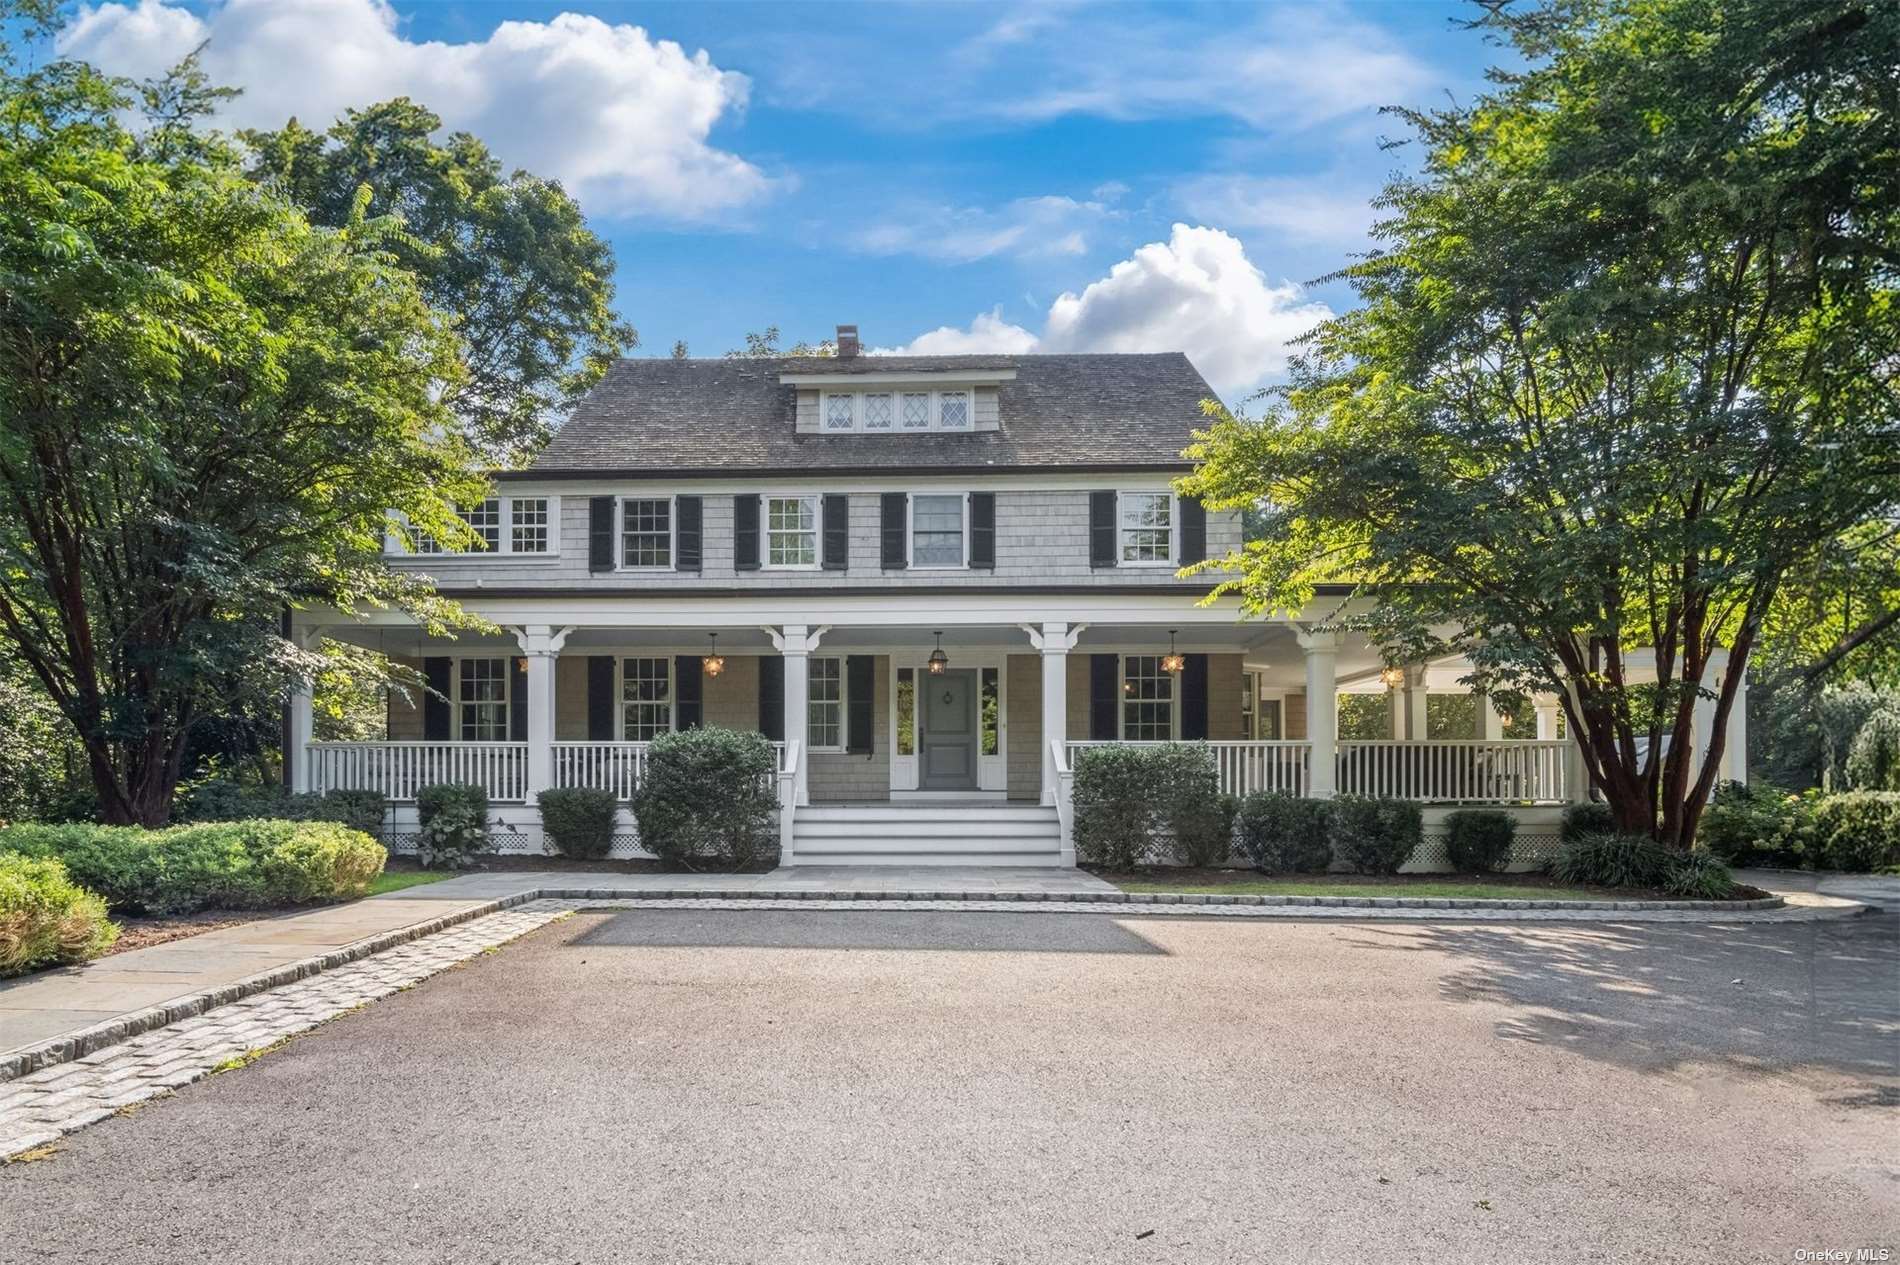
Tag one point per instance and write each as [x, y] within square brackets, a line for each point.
[1244, 767]
[1496, 772]
[787, 790]
[399, 769]
[1065, 797]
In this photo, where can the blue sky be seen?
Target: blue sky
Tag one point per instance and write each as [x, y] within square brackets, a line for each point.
[949, 177]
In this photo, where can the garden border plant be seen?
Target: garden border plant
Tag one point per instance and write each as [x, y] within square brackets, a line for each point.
[46, 919]
[1135, 804]
[578, 821]
[706, 798]
[454, 825]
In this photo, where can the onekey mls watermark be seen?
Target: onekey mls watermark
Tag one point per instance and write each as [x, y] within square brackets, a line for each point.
[1843, 1255]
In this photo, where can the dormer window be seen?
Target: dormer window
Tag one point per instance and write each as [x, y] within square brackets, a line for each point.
[916, 407]
[841, 410]
[953, 410]
[877, 407]
[877, 412]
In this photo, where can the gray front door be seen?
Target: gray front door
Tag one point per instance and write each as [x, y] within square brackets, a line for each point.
[948, 746]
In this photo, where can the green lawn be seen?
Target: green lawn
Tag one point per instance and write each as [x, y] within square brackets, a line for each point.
[1430, 889]
[396, 880]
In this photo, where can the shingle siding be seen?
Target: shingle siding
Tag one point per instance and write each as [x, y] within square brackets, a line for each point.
[836, 775]
[1022, 695]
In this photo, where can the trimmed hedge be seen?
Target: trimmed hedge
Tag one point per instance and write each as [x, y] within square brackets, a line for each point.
[1134, 804]
[46, 919]
[223, 865]
[223, 800]
[1285, 834]
[1376, 836]
[707, 798]
[1478, 840]
[578, 821]
[454, 817]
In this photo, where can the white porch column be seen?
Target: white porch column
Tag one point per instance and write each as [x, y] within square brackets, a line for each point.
[1576, 773]
[302, 729]
[541, 645]
[1546, 717]
[1055, 639]
[1415, 728]
[1322, 711]
[795, 643]
[1490, 724]
[1735, 745]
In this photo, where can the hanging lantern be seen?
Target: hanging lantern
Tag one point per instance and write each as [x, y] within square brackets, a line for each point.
[1174, 661]
[1392, 678]
[938, 659]
[713, 662]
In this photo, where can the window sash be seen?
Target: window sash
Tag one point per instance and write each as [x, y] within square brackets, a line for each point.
[990, 712]
[505, 526]
[528, 524]
[878, 410]
[840, 410]
[1147, 700]
[791, 531]
[646, 698]
[914, 410]
[906, 702]
[482, 700]
[955, 410]
[1146, 524]
[646, 532]
[824, 714]
[485, 521]
[937, 530]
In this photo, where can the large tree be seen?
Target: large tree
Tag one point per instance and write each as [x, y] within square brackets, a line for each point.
[529, 284]
[1624, 364]
[209, 407]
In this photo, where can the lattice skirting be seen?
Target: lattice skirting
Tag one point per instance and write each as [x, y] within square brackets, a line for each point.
[626, 844]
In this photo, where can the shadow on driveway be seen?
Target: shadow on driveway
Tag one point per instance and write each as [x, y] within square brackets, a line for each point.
[866, 929]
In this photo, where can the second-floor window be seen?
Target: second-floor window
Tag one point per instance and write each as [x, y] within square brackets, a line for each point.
[876, 412]
[529, 524]
[791, 531]
[482, 697]
[1146, 526]
[502, 525]
[936, 530]
[646, 532]
[646, 698]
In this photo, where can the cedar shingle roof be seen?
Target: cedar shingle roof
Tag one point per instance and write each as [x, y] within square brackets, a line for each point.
[734, 415]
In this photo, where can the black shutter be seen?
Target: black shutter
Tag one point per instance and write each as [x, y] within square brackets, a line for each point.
[435, 703]
[894, 509]
[837, 532]
[600, 698]
[859, 691]
[517, 699]
[772, 697]
[983, 531]
[745, 533]
[600, 533]
[1105, 695]
[1101, 529]
[689, 695]
[688, 516]
[1193, 531]
[1194, 698]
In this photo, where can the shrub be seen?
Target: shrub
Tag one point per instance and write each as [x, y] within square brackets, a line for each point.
[224, 800]
[1873, 761]
[217, 865]
[1698, 876]
[46, 919]
[1197, 818]
[1375, 836]
[454, 817]
[1857, 832]
[1478, 840]
[1129, 797]
[1587, 820]
[1612, 860]
[578, 821]
[707, 797]
[1284, 834]
[1755, 825]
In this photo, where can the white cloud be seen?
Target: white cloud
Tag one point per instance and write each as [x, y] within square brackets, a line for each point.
[1024, 228]
[1197, 293]
[620, 118]
[1297, 210]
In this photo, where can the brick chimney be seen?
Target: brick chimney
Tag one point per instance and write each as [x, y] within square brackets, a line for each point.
[847, 341]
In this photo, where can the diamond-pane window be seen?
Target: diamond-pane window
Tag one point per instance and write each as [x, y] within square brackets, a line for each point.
[877, 410]
[838, 412]
[954, 410]
[915, 410]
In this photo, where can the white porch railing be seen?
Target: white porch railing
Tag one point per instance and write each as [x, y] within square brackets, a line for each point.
[399, 769]
[619, 767]
[1064, 796]
[1244, 767]
[1504, 772]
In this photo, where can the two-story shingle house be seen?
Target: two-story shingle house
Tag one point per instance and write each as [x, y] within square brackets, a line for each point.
[927, 578]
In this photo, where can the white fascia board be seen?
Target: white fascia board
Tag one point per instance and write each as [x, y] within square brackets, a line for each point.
[1000, 479]
[917, 377]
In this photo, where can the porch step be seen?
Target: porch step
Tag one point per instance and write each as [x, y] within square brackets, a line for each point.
[927, 834]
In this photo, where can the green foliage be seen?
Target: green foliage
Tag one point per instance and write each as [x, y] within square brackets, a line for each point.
[209, 407]
[1873, 762]
[45, 918]
[578, 821]
[1698, 876]
[454, 818]
[224, 865]
[1756, 824]
[1376, 836]
[1479, 840]
[1586, 819]
[42, 768]
[1616, 376]
[1365, 718]
[224, 800]
[1858, 832]
[509, 254]
[1285, 834]
[707, 797]
[1612, 860]
[1129, 798]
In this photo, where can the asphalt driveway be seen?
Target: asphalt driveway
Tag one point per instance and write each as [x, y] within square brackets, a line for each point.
[684, 1085]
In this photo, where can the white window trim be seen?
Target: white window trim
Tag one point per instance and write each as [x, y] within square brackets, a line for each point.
[395, 546]
[817, 500]
[897, 427]
[824, 412]
[1174, 528]
[936, 413]
[910, 534]
[507, 696]
[1121, 701]
[620, 532]
[620, 691]
[844, 705]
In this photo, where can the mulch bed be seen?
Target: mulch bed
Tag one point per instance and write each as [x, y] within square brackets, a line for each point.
[143, 933]
[1393, 885]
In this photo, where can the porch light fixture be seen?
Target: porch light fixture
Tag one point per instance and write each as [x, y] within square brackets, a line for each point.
[1173, 662]
[521, 664]
[938, 659]
[713, 662]
[1392, 678]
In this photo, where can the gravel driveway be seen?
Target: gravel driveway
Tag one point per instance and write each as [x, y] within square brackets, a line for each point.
[686, 1085]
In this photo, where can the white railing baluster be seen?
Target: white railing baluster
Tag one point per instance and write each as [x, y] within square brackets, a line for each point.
[1501, 772]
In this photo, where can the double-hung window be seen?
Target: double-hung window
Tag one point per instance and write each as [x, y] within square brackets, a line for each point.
[528, 517]
[791, 531]
[646, 532]
[1146, 527]
[936, 530]
[825, 711]
[1147, 699]
[482, 700]
[646, 698]
[504, 525]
